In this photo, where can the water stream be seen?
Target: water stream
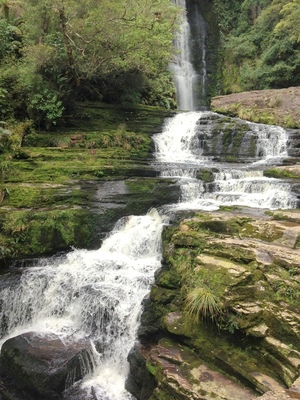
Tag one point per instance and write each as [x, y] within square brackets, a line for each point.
[91, 294]
[181, 156]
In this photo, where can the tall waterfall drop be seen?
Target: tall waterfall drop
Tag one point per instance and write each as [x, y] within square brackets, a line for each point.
[189, 65]
[184, 74]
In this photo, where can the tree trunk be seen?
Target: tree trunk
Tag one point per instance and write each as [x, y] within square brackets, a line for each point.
[6, 12]
[67, 43]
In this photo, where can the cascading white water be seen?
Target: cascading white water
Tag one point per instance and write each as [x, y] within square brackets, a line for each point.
[91, 294]
[184, 73]
[246, 186]
[272, 141]
[176, 142]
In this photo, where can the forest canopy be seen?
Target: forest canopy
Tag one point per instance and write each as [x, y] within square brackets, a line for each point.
[54, 51]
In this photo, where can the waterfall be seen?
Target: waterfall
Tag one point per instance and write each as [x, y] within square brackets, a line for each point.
[272, 141]
[184, 74]
[178, 149]
[190, 68]
[176, 143]
[91, 294]
[199, 35]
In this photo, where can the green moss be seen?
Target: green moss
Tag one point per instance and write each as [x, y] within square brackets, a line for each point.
[229, 208]
[265, 231]
[206, 175]
[190, 239]
[152, 369]
[29, 233]
[168, 279]
[290, 122]
[232, 252]
[280, 174]
[231, 226]
[162, 295]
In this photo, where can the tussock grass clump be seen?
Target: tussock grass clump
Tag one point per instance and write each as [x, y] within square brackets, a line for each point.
[202, 303]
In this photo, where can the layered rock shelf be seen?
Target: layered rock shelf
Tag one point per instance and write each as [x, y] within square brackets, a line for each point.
[222, 321]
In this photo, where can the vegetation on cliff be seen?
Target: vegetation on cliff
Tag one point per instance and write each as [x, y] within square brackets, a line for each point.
[261, 44]
[223, 305]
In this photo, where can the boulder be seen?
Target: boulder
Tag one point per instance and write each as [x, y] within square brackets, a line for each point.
[42, 366]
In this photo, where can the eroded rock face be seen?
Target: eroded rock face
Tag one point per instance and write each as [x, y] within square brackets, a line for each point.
[243, 339]
[275, 106]
[42, 366]
[235, 140]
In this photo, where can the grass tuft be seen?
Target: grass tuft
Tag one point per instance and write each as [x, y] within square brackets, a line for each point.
[201, 302]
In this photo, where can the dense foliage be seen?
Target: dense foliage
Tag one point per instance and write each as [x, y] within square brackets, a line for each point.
[261, 41]
[55, 51]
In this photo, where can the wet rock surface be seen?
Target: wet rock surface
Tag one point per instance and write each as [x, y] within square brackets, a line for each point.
[235, 140]
[240, 340]
[35, 366]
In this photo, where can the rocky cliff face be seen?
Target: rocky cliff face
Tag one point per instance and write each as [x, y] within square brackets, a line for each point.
[222, 321]
[274, 106]
[235, 140]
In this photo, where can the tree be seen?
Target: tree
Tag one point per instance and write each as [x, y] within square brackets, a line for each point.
[262, 50]
[111, 50]
[290, 22]
[7, 5]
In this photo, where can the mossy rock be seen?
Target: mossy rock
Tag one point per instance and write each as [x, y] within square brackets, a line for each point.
[206, 175]
[28, 233]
